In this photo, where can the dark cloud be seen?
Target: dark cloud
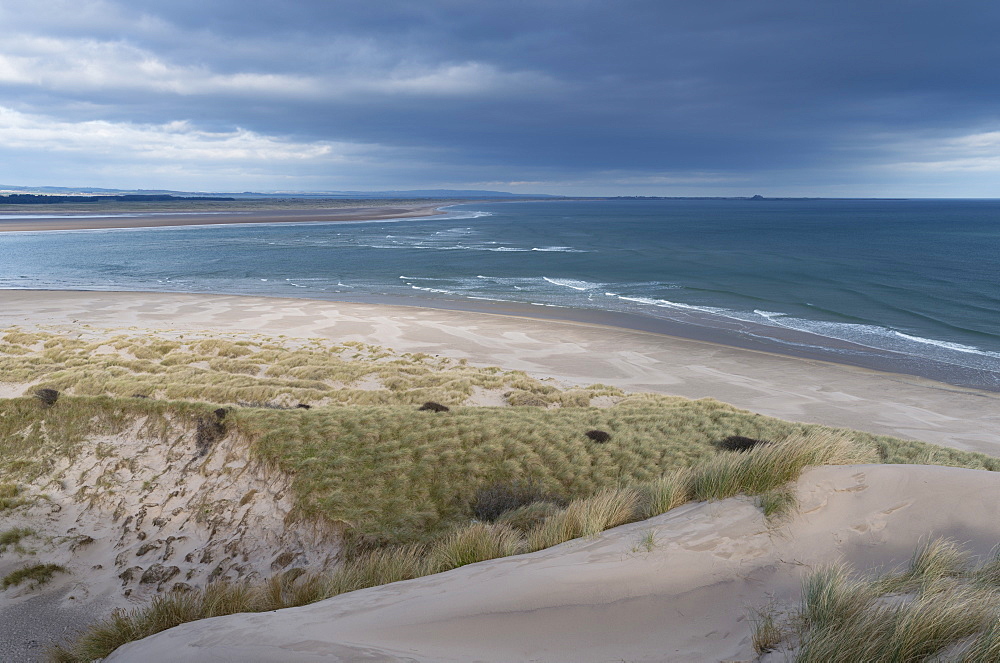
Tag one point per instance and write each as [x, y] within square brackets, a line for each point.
[564, 89]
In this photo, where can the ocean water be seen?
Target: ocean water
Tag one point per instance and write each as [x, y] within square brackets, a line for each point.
[910, 285]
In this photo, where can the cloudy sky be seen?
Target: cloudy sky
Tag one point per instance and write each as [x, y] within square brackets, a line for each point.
[579, 97]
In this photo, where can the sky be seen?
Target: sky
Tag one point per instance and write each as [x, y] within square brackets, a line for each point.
[843, 98]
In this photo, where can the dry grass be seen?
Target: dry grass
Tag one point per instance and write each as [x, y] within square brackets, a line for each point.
[767, 467]
[476, 543]
[586, 517]
[234, 370]
[940, 608]
[10, 496]
[767, 635]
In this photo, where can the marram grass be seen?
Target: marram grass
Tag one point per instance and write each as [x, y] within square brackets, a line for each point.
[941, 608]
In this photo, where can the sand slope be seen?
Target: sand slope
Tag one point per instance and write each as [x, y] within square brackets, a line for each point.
[608, 598]
[134, 515]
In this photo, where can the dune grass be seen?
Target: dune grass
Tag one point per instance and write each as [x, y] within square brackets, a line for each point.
[236, 370]
[941, 607]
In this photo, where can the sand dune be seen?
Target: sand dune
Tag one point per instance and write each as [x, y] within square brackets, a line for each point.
[608, 598]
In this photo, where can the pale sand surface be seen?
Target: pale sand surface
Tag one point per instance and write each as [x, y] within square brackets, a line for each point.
[113, 220]
[572, 352]
[607, 598]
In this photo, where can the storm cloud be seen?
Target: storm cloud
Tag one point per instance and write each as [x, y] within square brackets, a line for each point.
[722, 97]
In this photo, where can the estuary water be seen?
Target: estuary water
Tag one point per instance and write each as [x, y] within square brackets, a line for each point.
[910, 286]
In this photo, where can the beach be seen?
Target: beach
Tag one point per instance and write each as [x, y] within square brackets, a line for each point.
[84, 220]
[796, 389]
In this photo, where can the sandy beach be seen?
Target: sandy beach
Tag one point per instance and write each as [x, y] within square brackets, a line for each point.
[790, 388]
[100, 221]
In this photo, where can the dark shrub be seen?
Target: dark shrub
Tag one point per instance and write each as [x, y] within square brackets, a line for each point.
[526, 518]
[208, 433]
[139, 396]
[221, 413]
[48, 397]
[598, 436]
[431, 406]
[493, 501]
[737, 443]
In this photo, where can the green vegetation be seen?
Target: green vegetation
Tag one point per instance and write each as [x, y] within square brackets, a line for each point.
[13, 537]
[646, 543]
[940, 608]
[9, 496]
[37, 574]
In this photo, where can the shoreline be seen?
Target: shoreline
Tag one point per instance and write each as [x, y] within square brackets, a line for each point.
[784, 343]
[571, 351]
[162, 218]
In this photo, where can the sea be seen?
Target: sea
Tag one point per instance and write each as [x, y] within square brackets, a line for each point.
[906, 286]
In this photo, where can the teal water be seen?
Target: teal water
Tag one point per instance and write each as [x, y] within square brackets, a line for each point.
[912, 286]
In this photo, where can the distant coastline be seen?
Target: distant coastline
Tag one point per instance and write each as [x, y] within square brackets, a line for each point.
[154, 218]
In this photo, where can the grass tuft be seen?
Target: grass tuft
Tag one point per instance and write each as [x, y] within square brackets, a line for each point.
[36, 574]
[586, 517]
[477, 542]
[767, 467]
[777, 503]
[767, 635]
[13, 537]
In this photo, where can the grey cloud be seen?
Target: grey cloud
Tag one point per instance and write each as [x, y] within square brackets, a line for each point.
[566, 89]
